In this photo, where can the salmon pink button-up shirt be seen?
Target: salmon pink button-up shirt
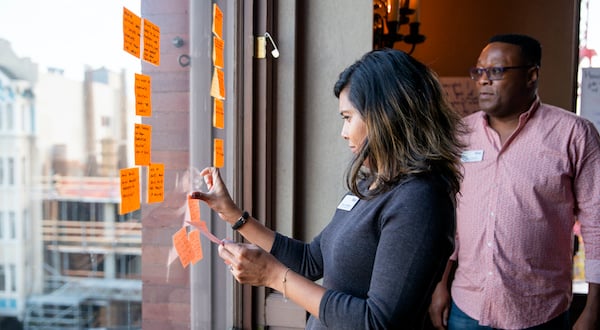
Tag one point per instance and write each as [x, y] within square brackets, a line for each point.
[516, 213]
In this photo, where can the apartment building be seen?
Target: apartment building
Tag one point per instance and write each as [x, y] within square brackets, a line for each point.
[68, 260]
[20, 237]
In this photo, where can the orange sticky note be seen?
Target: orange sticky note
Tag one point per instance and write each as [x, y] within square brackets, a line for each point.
[143, 141]
[130, 189]
[214, 85]
[217, 26]
[221, 80]
[156, 183]
[151, 37]
[183, 246]
[195, 246]
[217, 87]
[219, 153]
[194, 208]
[218, 46]
[142, 86]
[218, 114]
[131, 32]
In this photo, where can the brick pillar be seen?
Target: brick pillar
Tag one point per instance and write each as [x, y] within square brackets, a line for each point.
[166, 288]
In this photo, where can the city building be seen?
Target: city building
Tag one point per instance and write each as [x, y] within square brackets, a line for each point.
[20, 236]
[68, 260]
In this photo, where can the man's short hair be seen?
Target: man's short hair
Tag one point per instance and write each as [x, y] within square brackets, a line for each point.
[530, 47]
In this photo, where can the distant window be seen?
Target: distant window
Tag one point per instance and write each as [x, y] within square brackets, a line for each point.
[1, 225]
[2, 279]
[26, 225]
[23, 118]
[1, 171]
[13, 278]
[24, 171]
[11, 171]
[128, 266]
[9, 117]
[1, 116]
[12, 224]
[32, 119]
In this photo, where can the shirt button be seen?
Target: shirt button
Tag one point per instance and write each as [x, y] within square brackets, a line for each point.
[492, 214]
[490, 273]
[489, 244]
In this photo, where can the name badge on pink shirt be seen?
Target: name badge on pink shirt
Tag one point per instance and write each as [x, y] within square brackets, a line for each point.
[471, 156]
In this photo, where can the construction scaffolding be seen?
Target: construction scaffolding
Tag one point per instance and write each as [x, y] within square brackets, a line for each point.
[92, 259]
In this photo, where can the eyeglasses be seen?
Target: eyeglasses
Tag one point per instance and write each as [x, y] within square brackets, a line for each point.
[494, 72]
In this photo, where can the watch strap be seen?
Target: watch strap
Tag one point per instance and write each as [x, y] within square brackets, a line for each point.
[241, 221]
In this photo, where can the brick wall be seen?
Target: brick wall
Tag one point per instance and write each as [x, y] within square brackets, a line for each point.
[166, 287]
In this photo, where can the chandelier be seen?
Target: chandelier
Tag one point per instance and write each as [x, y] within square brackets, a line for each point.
[389, 16]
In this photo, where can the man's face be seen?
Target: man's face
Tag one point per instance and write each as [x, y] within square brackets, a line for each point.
[510, 95]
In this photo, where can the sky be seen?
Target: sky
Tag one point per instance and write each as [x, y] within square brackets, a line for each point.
[68, 34]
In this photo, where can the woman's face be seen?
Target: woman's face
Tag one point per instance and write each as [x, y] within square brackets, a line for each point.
[355, 129]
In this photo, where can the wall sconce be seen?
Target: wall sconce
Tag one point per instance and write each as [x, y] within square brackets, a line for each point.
[388, 18]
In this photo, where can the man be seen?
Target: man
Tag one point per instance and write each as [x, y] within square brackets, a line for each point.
[531, 170]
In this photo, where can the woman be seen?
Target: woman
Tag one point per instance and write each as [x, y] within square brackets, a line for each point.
[391, 235]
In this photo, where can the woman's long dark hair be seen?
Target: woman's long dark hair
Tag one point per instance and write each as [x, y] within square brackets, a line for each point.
[412, 129]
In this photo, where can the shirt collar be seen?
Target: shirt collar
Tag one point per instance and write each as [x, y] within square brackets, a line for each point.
[523, 118]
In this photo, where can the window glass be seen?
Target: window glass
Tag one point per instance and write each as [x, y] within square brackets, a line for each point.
[588, 80]
[67, 113]
[589, 45]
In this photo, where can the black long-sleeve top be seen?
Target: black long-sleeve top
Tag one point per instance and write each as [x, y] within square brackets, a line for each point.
[381, 260]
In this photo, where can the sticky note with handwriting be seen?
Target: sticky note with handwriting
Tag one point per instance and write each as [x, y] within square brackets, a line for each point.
[132, 25]
[130, 190]
[142, 143]
[142, 87]
[183, 246]
[218, 114]
[219, 153]
[156, 183]
[218, 47]
[217, 26]
[151, 35]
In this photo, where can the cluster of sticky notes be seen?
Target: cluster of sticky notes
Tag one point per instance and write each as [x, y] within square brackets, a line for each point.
[217, 89]
[141, 38]
[133, 26]
[188, 244]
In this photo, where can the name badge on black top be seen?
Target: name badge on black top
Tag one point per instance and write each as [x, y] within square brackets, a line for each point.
[348, 202]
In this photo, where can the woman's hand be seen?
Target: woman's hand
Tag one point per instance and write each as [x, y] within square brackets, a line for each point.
[217, 197]
[252, 265]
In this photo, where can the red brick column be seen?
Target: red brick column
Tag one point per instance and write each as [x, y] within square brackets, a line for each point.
[166, 288]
